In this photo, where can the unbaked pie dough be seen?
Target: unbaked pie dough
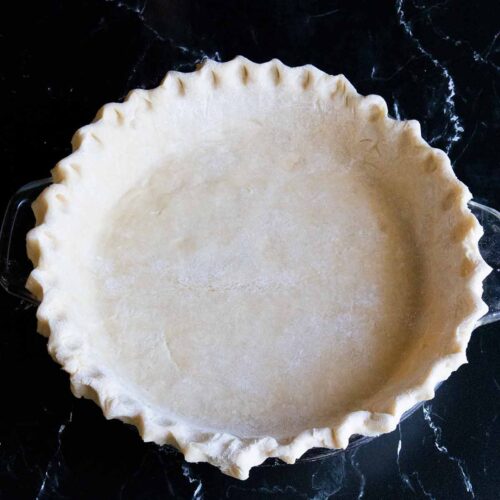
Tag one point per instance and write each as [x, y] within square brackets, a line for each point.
[253, 260]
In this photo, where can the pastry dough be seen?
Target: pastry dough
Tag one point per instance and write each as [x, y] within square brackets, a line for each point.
[253, 260]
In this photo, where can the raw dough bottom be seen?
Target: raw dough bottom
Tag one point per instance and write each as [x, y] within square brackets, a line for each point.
[260, 299]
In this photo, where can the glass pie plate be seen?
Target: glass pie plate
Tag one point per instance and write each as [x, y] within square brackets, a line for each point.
[15, 268]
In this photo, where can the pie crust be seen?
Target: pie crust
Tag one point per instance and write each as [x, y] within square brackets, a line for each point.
[252, 260]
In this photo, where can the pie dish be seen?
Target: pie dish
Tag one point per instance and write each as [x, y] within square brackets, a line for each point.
[252, 260]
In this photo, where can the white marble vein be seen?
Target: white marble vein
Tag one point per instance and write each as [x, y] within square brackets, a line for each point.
[490, 48]
[188, 474]
[196, 54]
[54, 462]
[408, 478]
[359, 473]
[382, 78]
[328, 478]
[323, 14]
[426, 493]
[426, 8]
[456, 123]
[427, 410]
[137, 64]
[404, 477]
[479, 57]
[395, 107]
[467, 144]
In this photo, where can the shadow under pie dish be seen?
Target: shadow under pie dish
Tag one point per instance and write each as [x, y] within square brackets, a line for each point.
[253, 260]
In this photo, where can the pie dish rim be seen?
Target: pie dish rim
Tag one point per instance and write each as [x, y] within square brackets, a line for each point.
[234, 455]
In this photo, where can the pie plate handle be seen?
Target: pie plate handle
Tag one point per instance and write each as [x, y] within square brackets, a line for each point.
[18, 219]
[489, 245]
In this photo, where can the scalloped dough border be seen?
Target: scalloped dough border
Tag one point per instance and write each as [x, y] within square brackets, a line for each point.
[235, 456]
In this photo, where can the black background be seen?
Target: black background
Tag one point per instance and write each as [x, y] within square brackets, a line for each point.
[435, 61]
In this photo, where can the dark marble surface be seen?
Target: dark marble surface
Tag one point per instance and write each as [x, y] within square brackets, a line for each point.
[436, 61]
